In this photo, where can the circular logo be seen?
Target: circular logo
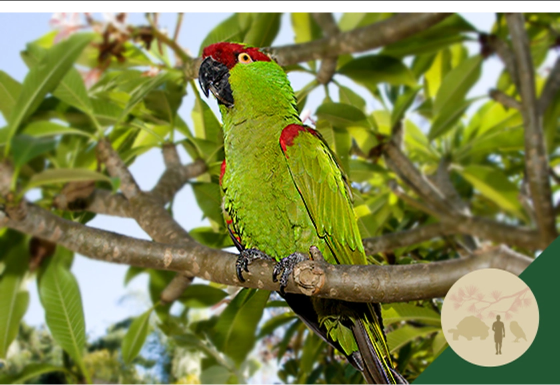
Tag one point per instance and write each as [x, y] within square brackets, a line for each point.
[490, 317]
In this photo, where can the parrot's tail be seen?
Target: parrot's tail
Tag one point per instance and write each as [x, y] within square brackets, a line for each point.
[377, 368]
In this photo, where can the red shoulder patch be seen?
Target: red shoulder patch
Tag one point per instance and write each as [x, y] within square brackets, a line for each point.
[289, 133]
[222, 171]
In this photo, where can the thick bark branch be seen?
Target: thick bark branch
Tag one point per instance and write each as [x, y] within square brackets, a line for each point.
[345, 282]
[535, 149]
[150, 214]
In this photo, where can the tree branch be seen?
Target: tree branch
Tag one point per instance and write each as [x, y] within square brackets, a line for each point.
[346, 282]
[174, 178]
[150, 214]
[479, 227]
[373, 36]
[403, 167]
[505, 100]
[551, 87]
[392, 241]
[504, 53]
[117, 169]
[328, 65]
[535, 149]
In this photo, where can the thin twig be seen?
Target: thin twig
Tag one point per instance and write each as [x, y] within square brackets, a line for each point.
[506, 100]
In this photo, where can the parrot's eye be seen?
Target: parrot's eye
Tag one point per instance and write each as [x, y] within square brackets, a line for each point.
[244, 58]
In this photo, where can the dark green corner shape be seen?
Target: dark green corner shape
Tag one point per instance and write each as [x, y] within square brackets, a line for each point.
[541, 362]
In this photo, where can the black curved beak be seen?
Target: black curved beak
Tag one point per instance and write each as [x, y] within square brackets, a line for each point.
[213, 76]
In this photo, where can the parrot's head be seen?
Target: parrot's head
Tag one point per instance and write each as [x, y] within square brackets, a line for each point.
[242, 78]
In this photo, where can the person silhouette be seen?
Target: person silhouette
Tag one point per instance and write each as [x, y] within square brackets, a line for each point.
[499, 333]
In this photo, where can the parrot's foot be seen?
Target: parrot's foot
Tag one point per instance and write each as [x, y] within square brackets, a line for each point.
[285, 268]
[246, 257]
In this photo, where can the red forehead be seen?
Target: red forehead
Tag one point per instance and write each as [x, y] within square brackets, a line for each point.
[226, 53]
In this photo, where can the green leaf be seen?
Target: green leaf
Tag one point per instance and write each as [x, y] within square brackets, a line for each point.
[106, 111]
[305, 28]
[136, 336]
[132, 273]
[229, 30]
[398, 312]
[14, 299]
[45, 77]
[342, 115]
[236, 327]
[9, 94]
[401, 336]
[457, 83]
[209, 199]
[439, 344]
[373, 69]
[448, 117]
[350, 21]
[433, 78]
[142, 90]
[30, 372]
[209, 237]
[263, 31]
[166, 101]
[493, 184]
[65, 175]
[404, 101]
[201, 296]
[26, 148]
[206, 125]
[551, 123]
[60, 297]
[275, 322]
[347, 96]
[43, 128]
[215, 375]
[447, 32]
[72, 90]
[150, 135]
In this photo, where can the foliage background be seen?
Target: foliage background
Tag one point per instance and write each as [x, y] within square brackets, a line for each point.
[478, 176]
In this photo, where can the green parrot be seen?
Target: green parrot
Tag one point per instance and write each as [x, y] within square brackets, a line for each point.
[283, 193]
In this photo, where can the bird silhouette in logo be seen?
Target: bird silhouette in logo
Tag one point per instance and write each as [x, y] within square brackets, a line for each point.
[517, 331]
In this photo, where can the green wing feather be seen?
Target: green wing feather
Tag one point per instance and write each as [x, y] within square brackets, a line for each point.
[325, 192]
[326, 195]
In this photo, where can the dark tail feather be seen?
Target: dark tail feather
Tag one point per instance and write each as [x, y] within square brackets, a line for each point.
[374, 370]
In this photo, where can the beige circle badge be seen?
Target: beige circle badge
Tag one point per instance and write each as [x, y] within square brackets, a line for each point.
[490, 317]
